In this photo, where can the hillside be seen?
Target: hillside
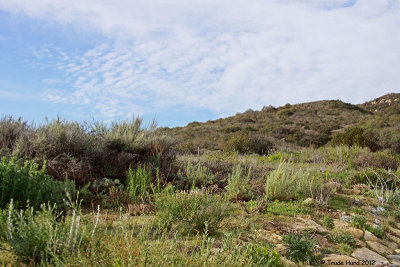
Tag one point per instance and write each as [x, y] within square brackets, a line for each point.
[300, 125]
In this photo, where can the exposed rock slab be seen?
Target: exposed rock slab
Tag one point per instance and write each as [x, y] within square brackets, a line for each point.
[378, 247]
[368, 236]
[368, 255]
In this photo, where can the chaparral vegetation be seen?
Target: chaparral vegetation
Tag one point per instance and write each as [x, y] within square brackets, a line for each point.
[295, 185]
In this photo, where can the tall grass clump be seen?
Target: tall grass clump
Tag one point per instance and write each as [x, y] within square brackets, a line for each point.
[195, 175]
[286, 183]
[39, 237]
[238, 187]
[28, 183]
[190, 211]
[281, 183]
[139, 182]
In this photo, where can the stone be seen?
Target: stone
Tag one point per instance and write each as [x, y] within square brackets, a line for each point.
[309, 224]
[289, 263]
[368, 236]
[335, 260]
[393, 238]
[393, 257]
[394, 231]
[378, 247]
[390, 244]
[357, 233]
[354, 191]
[397, 251]
[309, 202]
[367, 254]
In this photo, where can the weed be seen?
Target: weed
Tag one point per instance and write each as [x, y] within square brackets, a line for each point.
[344, 237]
[238, 187]
[190, 211]
[302, 248]
[327, 221]
[359, 221]
[196, 175]
[139, 182]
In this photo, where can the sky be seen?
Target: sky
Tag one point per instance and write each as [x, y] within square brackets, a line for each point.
[180, 61]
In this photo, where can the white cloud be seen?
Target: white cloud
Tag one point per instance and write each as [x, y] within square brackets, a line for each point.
[224, 56]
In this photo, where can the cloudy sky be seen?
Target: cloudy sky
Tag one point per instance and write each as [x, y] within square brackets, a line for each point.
[185, 60]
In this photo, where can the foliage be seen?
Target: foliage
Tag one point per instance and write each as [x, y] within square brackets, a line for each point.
[29, 183]
[139, 182]
[343, 237]
[302, 248]
[195, 175]
[39, 237]
[190, 211]
[246, 143]
[355, 136]
[238, 187]
[287, 208]
[359, 221]
[327, 221]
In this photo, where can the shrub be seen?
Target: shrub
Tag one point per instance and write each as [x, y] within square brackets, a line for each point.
[196, 175]
[377, 160]
[39, 237]
[139, 182]
[190, 211]
[359, 221]
[355, 136]
[238, 187]
[245, 143]
[286, 183]
[344, 237]
[29, 183]
[302, 248]
[327, 221]
[261, 256]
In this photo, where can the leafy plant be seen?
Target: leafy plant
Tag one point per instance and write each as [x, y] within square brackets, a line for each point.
[344, 237]
[301, 248]
[327, 221]
[359, 221]
[139, 182]
[196, 175]
[29, 183]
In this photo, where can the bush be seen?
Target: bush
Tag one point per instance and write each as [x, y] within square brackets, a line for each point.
[359, 221]
[285, 183]
[302, 248]
[238, 187]
[39, 237]
[327, 221]
[139, 182]
[196, 175]
[355, 136]
[28, 183]
[343, 237]
[377, 160]
[246, 143]
[190, 211]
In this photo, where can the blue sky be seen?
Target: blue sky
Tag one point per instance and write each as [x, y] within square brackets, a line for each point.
[183, 61]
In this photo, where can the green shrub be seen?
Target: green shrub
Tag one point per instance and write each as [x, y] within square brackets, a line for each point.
[238, 187]
[377, 231]
[139, 182]
[190, 211]
[196, 175]
[41, 236]
[327, 221]
[286, 183]
[245, 143]
[301, 248]
[344, 237]
[29, 183]
[261, 256]
[355, 136]
[359, 221]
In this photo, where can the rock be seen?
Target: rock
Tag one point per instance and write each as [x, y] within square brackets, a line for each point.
[289, 263]
[393, 257]
[389, 244]
[309, 224]
[394, 231]
[357, 202]
[378, 247]
[334, 260]
[378, 210]
[394, 264]
[366, 254]
[354, 191]
[360, 243]
[397, 251]
[309, 202]
[281, 249]
[393, 238]
[357, 233]
[368, 236]
[344, 218]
